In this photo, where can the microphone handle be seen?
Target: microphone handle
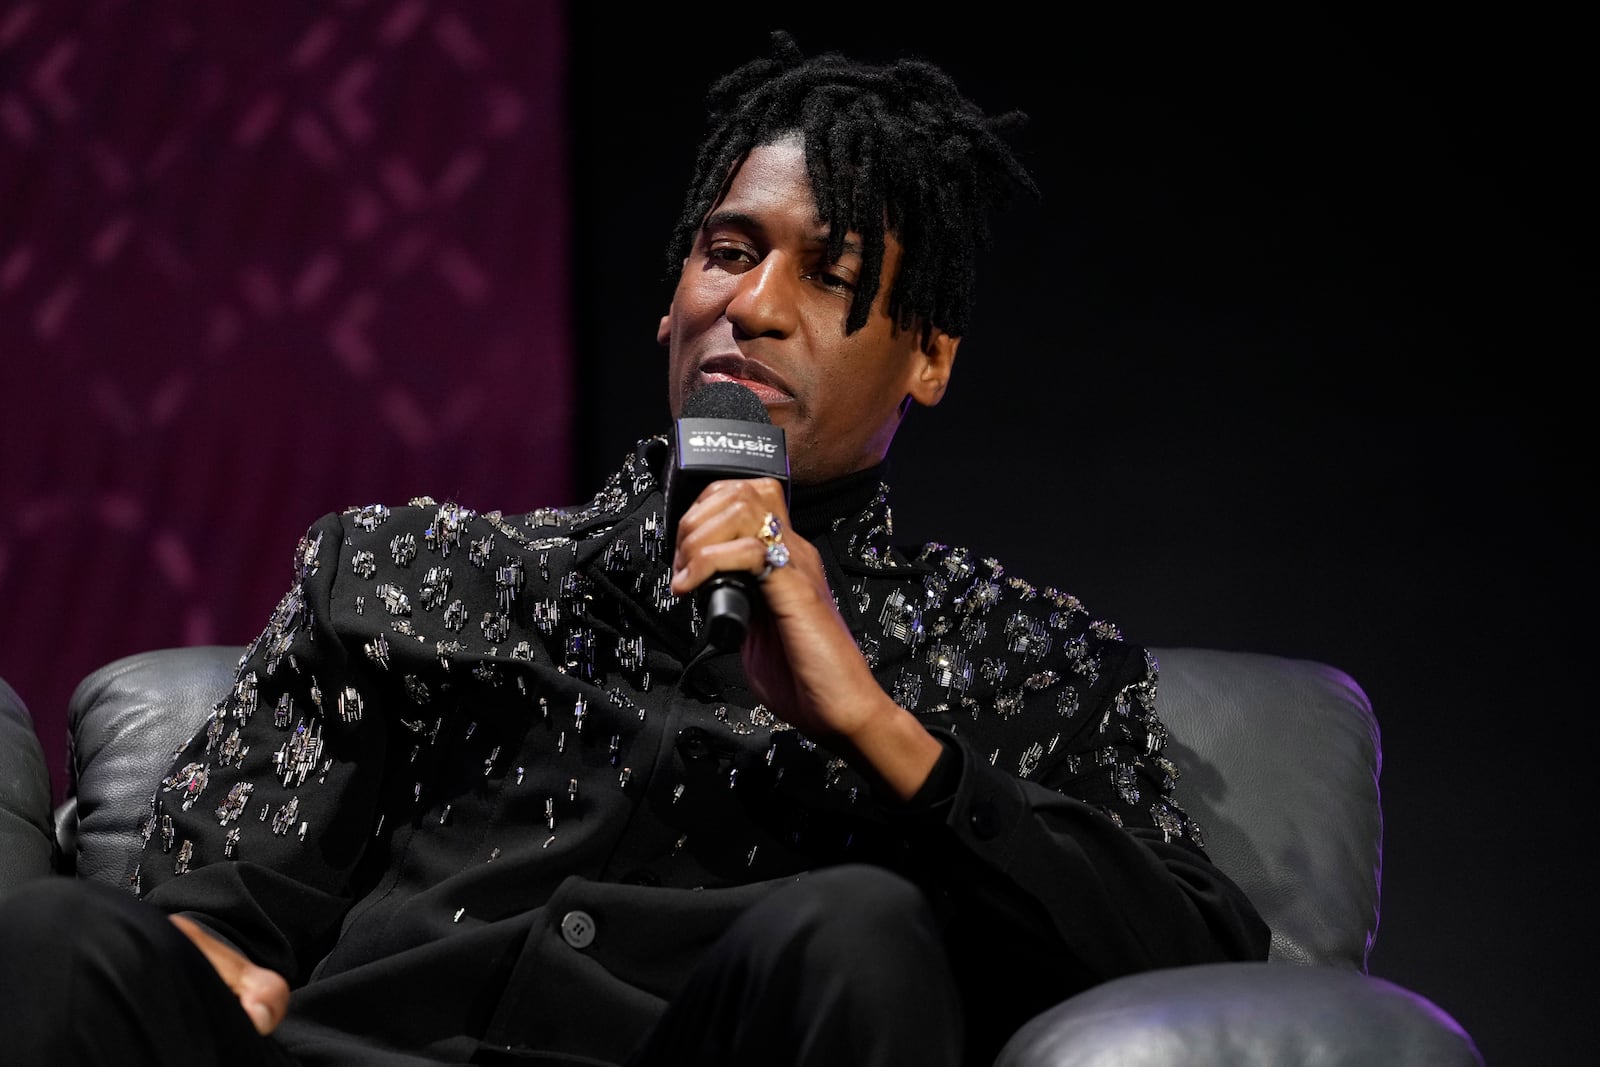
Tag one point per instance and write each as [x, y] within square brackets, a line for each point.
[726, 608]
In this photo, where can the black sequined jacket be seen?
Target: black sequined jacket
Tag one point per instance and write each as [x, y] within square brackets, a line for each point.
[461, 729]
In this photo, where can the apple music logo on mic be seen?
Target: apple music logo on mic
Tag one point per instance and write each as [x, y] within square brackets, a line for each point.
[723, 432]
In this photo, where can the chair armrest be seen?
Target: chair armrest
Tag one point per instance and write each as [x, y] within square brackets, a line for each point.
[1243, 1014]
[25, 829]
[127, 721]
[1280, 760]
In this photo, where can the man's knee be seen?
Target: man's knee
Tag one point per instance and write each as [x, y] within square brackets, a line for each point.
[95, 976]
[42, 909]
[862, 917]
[867, 897]
[51, 923]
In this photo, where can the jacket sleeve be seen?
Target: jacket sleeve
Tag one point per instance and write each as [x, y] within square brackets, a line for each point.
[259, 830]
[1073, 841]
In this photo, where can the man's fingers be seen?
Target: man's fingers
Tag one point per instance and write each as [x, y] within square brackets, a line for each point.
[720, 530]
[746, 554]
[261, 1016]
[738, 504]
[263, 994]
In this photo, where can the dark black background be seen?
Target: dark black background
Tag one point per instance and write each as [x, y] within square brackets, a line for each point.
[1292, 358]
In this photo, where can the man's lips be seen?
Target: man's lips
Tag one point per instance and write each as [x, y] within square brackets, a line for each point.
[757, 377]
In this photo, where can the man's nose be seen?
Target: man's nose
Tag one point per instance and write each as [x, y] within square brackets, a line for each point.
[764, 302]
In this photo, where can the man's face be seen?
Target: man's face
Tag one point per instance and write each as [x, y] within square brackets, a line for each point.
[758, 304]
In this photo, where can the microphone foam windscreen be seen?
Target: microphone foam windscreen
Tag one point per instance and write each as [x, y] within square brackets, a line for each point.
[725, 400]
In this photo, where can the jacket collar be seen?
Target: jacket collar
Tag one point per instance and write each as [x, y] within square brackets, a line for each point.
[618, 538]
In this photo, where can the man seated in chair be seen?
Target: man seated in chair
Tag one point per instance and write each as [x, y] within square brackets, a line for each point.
[483, 792]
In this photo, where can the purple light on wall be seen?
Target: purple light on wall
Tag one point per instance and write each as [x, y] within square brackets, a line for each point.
[259, 262]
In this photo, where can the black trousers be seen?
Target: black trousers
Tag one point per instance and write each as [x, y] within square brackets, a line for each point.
[845, 967]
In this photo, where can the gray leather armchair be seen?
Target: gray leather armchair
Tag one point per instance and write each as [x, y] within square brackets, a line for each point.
[27, 839]
[1280, 762]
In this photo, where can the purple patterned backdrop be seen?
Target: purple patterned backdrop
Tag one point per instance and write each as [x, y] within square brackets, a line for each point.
[260, 261]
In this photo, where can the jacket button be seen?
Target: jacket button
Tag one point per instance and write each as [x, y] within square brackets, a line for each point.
[694, 743]
[984, 822]
[577, 929]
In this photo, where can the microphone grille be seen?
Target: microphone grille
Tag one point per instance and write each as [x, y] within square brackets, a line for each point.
[725, 400]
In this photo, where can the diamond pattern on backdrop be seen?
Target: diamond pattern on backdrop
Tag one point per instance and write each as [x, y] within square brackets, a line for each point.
[259, 262]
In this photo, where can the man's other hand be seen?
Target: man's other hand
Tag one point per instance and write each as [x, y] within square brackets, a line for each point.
[263, 994]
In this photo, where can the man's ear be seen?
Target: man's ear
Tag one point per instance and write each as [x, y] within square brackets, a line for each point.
[664, 327]
[932, 366]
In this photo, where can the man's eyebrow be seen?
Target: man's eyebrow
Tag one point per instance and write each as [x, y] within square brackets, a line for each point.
[738, 219]
[851, 247]
[743, 220]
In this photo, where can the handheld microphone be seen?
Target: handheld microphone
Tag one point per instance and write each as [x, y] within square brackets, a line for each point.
[723, 432]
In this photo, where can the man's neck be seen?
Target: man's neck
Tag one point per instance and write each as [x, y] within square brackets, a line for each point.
[813, 508]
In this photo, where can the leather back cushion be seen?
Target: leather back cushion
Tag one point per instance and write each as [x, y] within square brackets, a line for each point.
[127, 721]
[1279, 761]
[25, 836]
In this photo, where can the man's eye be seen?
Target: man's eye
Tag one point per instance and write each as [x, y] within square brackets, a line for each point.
[731, 255]
[832, 280]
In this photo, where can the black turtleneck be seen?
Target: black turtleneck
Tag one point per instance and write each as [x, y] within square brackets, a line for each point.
[813, 508]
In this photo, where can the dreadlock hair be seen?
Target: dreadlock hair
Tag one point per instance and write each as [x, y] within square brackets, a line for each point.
[889, 149]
